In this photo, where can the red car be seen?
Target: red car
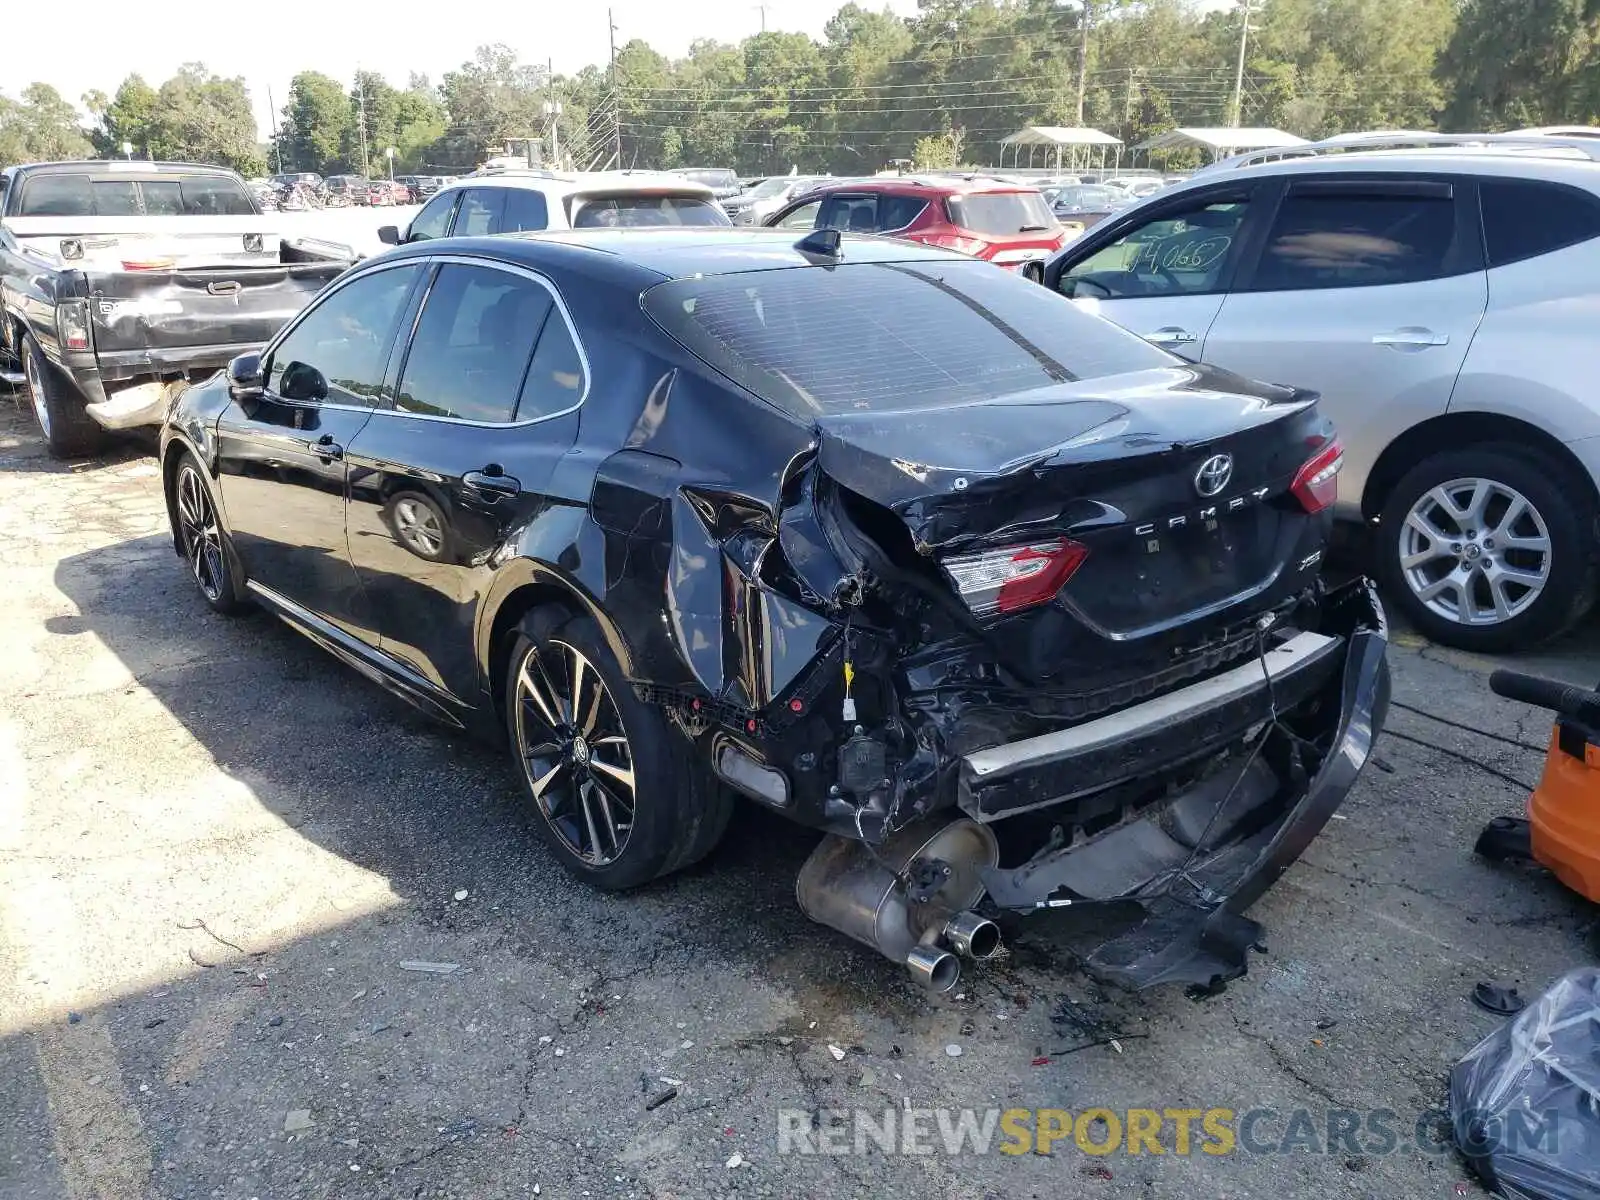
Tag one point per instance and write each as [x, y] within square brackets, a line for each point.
[1005, 223]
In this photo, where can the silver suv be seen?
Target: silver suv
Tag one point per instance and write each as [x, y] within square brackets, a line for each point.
[1444, 299]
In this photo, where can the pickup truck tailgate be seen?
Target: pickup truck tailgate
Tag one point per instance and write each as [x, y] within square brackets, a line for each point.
[166, 310]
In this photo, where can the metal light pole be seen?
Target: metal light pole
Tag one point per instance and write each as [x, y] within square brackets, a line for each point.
[127, 150]
[552, 109]
[1238, 73]
[389, 153]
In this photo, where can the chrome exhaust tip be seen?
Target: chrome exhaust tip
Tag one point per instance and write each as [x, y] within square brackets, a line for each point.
[935, 969]
[972, 936]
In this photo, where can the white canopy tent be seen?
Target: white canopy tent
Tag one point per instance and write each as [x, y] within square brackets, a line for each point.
[1057, 138]
[1220, 141]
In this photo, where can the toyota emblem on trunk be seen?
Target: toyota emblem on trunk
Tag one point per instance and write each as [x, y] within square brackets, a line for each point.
[1213, 474]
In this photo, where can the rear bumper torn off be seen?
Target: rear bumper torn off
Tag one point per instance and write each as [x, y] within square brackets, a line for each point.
[1160, 897]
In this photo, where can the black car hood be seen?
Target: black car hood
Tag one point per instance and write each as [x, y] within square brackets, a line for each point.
[908, 460]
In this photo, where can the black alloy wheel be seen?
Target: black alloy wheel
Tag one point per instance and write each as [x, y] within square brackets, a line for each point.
[201, 539]
[574, 748]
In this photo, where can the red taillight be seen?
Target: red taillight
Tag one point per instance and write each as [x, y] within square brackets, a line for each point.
[1316, 485]
[1015, 577]
[954, 241]
[148, 264]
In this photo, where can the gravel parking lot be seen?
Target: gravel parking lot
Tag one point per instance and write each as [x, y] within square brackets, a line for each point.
[218, 846]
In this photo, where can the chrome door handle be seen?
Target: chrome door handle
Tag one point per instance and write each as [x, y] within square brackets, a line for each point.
[1411, 337]
[326, 448]
[495, 484]
[1171, 335]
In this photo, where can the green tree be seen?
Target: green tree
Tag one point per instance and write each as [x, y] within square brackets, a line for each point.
[1523, 62]
[201, 117]
[490, 99]
[42, 127]
[124, 118]
[316, 122]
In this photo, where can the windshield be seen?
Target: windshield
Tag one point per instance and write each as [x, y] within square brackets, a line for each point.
[609, 211]
[1090, 197]
[886, 337]
[768, 188]
[171, 195]
[1000, 213]
[712, 178]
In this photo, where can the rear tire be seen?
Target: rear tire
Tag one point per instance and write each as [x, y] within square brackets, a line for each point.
[618, 794]
[58, 409]
[1489, 549]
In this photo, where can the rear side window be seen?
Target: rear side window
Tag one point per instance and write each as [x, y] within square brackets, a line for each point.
[480, 212]
[555, 377]
[524, 210]
[473, 342]
[871, 213]
[890, 336]
[608, 211]
[1523, 218]
[56, 196]
[1339, 240]
[997, 214]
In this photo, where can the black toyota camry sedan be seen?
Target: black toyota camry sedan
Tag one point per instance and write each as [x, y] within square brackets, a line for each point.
[1021, 612]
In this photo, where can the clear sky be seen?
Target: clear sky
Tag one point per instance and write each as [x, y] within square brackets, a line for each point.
[268, 43]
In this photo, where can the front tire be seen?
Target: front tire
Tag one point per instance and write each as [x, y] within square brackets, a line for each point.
[204, 544]
[1488, 549]
[64, 421]
[617, 793]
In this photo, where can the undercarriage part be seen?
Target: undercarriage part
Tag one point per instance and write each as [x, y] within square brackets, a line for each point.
[863, 893]
[935, 969]
[972, 936]
[741, 771]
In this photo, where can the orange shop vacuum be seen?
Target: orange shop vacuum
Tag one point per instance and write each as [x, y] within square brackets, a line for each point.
[1562, 829]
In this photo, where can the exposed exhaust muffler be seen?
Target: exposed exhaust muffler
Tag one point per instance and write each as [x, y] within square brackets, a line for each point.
[923, 924]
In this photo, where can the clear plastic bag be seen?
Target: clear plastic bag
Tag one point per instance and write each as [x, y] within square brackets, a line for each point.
[1525, 1101]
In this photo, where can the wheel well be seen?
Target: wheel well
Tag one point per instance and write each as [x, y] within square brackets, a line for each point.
[1456, 431]
[516, 606]
[169, 478]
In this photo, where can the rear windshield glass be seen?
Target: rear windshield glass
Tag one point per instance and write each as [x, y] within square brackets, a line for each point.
[883, 337]
[998, 213]
[712, 178]
[174, 195]
[603, 211]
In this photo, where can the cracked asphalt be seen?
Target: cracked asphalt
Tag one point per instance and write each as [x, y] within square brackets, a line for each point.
[218, 846]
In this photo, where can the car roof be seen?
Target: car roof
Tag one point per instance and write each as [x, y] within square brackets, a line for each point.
[657, 254]
[926, 185]
[587, 183]
[1520, 163]
[118, 166]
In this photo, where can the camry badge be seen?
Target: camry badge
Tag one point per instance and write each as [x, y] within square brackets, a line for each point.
[1213, 474]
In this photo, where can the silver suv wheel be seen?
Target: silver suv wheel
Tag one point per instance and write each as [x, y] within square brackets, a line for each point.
[1475, 551]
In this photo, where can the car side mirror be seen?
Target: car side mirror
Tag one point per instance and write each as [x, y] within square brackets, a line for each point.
[389, 235]
[304, 383]
[1054, 268]
[244, 378]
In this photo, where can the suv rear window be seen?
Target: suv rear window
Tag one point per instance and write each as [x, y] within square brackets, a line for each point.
[602, 211]
[1000, 213]
[115, 196]
[883, 337]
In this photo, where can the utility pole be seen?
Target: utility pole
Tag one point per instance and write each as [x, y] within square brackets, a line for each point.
[762, 9]
[272, 113]
[1085, 19]
[361, 108]
[1238, 73]
[616, 89]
